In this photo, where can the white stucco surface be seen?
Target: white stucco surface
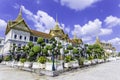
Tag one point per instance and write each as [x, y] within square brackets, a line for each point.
[105, 71]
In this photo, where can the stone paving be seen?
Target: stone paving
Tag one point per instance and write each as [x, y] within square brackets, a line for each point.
[105, 71]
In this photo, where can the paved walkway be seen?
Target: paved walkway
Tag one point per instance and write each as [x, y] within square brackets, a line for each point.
[105, 71]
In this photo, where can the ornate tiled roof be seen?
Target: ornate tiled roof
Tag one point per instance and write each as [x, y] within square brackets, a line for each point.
[40, 34]
[17, 21]
[76, 41]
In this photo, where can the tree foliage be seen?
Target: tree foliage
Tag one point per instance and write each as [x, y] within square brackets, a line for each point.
[75, 51]
[40, 40]
[70, 47]
[36, 49]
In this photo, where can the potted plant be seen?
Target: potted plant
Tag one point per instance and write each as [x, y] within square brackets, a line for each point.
[92, 60]
[67, 61]
[21, 62]
[86, 63]
[42, 61]
[7, 59]
[81, 62]
[75, 61]
[49, 65]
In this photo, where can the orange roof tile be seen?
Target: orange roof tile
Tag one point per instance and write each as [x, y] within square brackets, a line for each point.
[40, 34]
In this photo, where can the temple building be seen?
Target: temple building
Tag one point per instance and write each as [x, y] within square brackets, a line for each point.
[19, 33]
[108, 48]
[1, 44]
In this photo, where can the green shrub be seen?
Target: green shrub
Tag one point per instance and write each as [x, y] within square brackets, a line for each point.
[68, 58]
[90, 58]
[70, 47]
[66, 51]
[45, 51]
[42, 59]
[31, 54]
[22, 60]
[36, 49]
[7, 58]
[99, 57]
[81, 61]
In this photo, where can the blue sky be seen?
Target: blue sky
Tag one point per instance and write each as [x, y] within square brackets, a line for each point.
[86, 18]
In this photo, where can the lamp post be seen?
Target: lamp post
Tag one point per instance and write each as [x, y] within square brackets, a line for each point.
[53, 41]
[53, 61]
[63, 55]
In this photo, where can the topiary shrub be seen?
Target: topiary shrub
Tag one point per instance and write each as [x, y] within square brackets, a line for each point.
[90, 58]
[66, 51]
[68, 58]
[22, 60]
[7, 58]
[42, 59]
[81, 61]
[31, 54]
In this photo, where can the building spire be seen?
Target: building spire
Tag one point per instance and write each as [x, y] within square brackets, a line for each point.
[75, 36]
[19, 15]
[97, 40]
[56, 24]
[56, 19]
[20, 12]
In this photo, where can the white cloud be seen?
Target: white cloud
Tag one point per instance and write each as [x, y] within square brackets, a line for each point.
[115, 41]
[16, 6]
[77, 4]
[92, 28]
[105, 31]
[88, 38]
[42, 21]
[112, 21]
[3, 25]
[66, 29]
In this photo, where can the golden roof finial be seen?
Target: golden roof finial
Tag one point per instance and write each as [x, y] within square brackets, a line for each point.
[56, 20]
[97, 40]
[19, 15]
[75, 36]
[56, 25]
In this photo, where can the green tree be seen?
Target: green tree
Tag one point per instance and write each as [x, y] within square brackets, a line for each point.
[12, 51]
[45, 52]
[66, 51]
[41, 42]
[75, 51]
[95, 51]
[36, 49]
[70, 47]
[30, 45]
[42, 59]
